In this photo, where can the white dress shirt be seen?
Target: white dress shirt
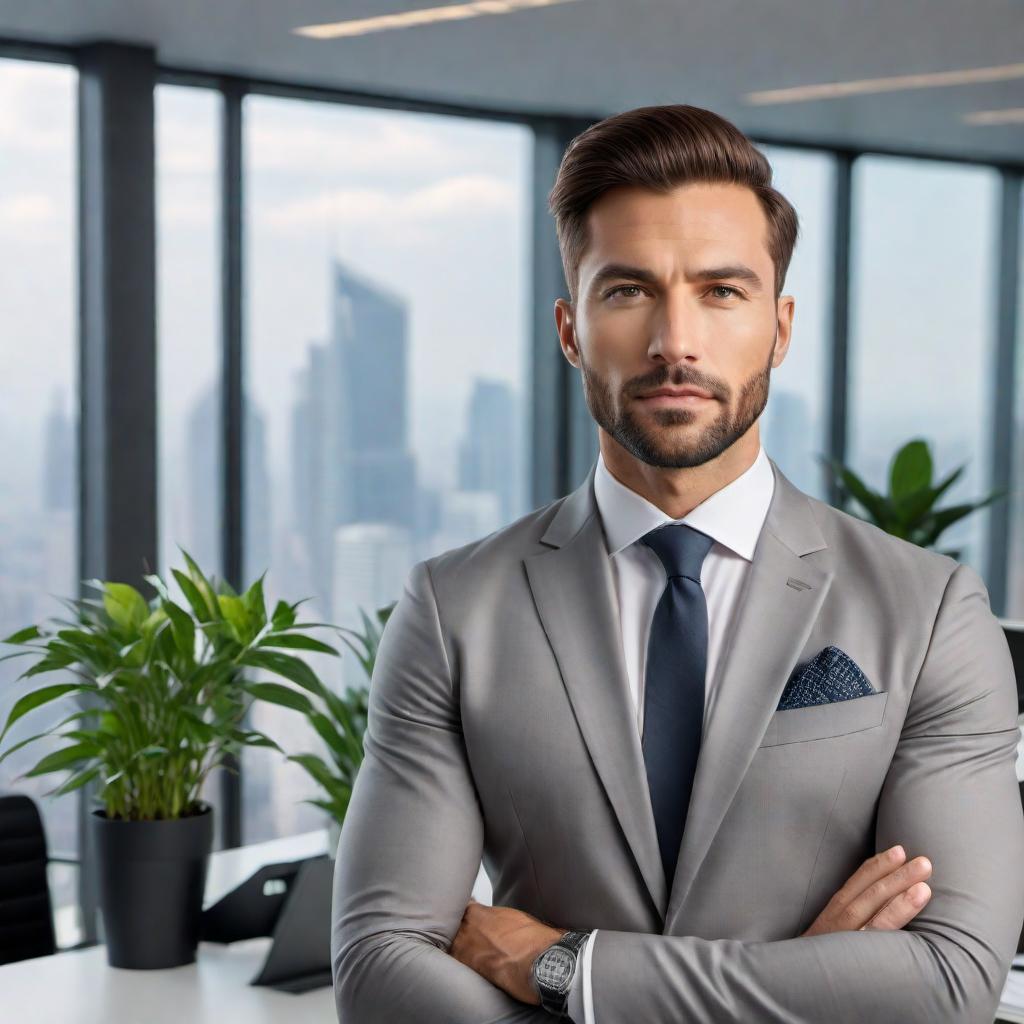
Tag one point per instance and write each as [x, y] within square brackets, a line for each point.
[733, 517]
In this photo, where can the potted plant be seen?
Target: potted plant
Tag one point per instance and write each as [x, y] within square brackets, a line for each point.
[340, 721]
[165, 692]
[908, 510]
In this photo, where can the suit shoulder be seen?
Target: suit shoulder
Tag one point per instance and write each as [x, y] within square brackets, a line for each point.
[857, 539]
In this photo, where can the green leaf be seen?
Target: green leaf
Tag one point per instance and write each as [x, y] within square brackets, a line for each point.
[286, 665]
[62, 759]
[184, 629]
[347, 750]
[49, 732]
[76, 781]
[254, 738]
[234, 612]
[36, 699]
[869, 499]
[315, 767]
[58, 657]
[297, 641]
[125, 605]
[255, 604]
[194, 597]
[911, 470]
[284, 615]
[158, 585]
[111, 724]
[202, 583]
[28, 633]
[276, 693]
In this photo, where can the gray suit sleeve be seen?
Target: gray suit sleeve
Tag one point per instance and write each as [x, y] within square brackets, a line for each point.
[411, 842]
[951, 794]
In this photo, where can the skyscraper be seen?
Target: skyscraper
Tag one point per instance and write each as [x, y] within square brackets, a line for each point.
[350, 447]
[490, 453]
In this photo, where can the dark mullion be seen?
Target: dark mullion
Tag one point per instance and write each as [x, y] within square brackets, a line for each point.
[233, 406]
[550, 428]
[1004, 387]
[839, 360]
[117, 454]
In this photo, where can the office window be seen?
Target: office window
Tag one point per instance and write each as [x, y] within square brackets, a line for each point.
[1015, 575]
[188, 329]
[922, 332]
[189, 489]
[38, 416]
[387, 349]
[794, 424]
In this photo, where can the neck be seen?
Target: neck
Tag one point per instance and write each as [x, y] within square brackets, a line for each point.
[678, 491]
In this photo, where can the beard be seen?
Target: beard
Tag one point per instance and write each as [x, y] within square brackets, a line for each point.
[656, 443]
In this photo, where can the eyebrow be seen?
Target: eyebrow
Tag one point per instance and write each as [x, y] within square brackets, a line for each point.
[736, 271]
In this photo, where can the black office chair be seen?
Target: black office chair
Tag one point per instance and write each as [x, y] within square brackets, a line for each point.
[26, 912]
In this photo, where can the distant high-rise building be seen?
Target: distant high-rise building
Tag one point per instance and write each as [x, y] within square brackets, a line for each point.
[371, 562]
[490, 456]
[350, 448]
[199, 529]
[58, 458]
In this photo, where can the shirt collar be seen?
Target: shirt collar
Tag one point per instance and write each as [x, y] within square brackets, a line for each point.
[732, 516]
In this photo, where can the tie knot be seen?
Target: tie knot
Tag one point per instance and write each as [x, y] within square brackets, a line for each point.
[681, 548]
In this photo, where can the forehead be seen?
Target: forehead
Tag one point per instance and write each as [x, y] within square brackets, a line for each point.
[701, 219]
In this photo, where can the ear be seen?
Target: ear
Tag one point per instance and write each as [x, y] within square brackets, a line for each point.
[565, 323]
[785, 308]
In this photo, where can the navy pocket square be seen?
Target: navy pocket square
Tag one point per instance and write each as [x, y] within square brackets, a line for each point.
[830, 676]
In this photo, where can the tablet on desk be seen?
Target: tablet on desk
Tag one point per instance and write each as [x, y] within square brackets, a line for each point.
[290, 901]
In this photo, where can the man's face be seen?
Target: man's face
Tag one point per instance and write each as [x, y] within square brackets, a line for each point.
[676, 290]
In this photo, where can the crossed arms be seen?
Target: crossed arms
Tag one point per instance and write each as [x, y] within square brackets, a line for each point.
[413, 838]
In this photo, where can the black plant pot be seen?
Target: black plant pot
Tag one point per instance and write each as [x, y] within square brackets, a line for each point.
[151, 880]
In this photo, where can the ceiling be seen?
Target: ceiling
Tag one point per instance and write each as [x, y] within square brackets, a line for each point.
[594, 57]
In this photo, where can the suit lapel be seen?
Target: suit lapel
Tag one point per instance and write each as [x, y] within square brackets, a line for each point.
[772, 623]
[574, 591]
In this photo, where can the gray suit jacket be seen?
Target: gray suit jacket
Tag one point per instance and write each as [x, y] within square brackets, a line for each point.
[500, 725]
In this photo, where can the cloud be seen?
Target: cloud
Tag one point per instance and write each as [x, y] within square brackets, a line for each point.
[37, 108]
[31, 210]
[468, 195]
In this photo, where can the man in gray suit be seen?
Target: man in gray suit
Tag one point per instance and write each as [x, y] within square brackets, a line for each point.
[708, 734]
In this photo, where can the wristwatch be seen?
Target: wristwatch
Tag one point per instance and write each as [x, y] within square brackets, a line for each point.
[552, 972]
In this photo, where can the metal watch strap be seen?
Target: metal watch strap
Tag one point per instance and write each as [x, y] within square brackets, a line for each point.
[553, 1002]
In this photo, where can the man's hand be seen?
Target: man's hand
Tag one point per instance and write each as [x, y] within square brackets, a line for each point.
[883, 894]
[501, 943]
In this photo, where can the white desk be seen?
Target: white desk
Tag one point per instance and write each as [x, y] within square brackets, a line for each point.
[80, 987]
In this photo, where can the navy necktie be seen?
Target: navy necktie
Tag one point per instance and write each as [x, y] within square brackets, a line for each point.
[677, 654]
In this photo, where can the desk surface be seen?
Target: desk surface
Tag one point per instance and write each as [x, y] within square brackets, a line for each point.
[80, 987]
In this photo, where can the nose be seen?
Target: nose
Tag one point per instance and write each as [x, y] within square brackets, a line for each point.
[676, 333]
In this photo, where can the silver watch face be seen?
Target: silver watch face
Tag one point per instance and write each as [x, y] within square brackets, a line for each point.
[555, 968]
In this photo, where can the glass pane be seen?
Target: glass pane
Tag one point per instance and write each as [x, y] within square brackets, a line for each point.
[923, 327]
[794, 424]
[188, 339]
[39, 413]
[387, 362]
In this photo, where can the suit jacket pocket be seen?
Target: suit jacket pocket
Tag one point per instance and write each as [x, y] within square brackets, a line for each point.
[820, 721]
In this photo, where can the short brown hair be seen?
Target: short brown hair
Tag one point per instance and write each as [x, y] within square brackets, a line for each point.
[661, 148]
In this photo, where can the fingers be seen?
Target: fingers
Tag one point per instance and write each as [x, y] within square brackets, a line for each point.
[883, 893]
[861, 910]
[871, 871]
[901, 909]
